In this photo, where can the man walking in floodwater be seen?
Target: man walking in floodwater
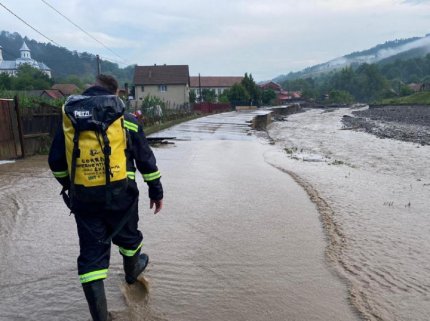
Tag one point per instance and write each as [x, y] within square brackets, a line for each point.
[94, 156]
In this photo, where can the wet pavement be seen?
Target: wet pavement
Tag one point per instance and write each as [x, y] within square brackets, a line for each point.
[237, 239]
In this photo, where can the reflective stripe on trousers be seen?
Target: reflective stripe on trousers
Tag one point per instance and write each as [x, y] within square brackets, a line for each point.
[93, 276]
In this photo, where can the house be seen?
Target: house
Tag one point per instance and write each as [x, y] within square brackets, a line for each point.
[270, 85]
[52, 94]
[419, 87]
[415, 87]
[170, 83]
[282, 96]
[10, 67]
[218, 84]
[46, 93]
[286, 97]
[66, 89]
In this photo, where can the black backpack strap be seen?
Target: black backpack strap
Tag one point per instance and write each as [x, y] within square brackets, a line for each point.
[108, 173]
[127, 215]
[75, 154]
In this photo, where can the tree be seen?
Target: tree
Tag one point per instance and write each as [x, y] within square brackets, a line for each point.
[27, 78]
[76, 80]
[340, 97]
[405, 90]
[192, 96]
[208, 95]
[253, 90]
[63, 62]
[223, 98]
[267, 96]
[5, 81]
[370, 83]
[238, 95]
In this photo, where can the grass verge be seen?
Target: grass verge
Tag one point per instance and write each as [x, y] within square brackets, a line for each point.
[421, 98]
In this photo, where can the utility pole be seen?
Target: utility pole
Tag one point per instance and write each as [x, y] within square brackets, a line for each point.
[200, 91]
[98, 65]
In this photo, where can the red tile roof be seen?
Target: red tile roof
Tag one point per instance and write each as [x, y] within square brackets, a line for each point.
[287, 95]
[270, 85]
[161, 75]
[53, 93]
[66, 89]
[415, 87]
[212, 82]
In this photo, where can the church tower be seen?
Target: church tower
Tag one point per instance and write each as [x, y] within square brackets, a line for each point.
[25, 51]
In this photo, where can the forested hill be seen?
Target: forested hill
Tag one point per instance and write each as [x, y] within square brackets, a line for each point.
[64, 64]
[388, 52]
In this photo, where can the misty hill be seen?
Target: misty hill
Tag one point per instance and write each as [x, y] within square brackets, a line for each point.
[390, 51]
[63, 62]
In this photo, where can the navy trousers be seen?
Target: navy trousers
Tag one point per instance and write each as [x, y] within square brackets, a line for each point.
[95, 226]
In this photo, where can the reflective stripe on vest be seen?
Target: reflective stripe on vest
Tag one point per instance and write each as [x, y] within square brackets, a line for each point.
[151, 176]
[93, 276]
[131, 126]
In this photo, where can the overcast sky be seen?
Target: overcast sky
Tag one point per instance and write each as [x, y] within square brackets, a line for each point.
[225, 37]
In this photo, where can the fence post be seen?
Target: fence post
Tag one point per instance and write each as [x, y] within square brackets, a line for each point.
[18, 116]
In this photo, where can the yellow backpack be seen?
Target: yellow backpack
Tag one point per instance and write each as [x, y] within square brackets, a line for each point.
[96, 147]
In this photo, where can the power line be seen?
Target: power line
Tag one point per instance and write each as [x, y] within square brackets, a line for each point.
[83, 30]
[25, 22]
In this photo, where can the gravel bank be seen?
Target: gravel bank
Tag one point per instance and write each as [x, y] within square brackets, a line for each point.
[406, 123]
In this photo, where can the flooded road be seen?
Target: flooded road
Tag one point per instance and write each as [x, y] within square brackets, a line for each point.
[376, 196]
[238, 239]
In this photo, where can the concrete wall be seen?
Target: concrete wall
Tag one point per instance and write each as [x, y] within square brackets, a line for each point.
[260, 122]
[286, 110]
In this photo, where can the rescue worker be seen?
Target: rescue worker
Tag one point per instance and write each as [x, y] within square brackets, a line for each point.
[95, 221]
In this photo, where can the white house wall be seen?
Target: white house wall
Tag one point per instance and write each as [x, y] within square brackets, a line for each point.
[174, 96]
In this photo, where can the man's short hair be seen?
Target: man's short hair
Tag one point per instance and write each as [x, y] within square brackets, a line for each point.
[108, 82]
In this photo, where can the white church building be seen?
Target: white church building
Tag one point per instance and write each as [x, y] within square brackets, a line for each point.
[11, 66]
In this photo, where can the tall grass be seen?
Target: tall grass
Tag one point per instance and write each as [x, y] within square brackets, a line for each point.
[421, 98]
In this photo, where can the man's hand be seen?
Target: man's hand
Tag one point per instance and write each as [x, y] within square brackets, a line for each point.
[158, 205]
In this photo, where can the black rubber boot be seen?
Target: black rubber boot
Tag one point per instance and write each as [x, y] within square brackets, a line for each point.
[134, 265]
[96, 298]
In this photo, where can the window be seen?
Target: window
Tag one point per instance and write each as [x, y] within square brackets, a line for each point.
[142, 88]
[162, 88]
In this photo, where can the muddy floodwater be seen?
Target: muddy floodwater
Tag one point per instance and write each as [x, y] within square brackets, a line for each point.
[375, 194]
[238, 239]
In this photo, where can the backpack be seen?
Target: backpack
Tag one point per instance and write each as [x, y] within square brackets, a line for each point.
[96, 147]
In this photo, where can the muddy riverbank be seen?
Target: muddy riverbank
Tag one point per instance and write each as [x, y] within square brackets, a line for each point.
[405, 123]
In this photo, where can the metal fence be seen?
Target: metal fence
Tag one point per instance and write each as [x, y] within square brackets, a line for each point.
[159, 114]
[211, 107]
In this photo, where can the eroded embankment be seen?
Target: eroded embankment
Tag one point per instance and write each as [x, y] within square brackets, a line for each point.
[334, 251]
[405, 123]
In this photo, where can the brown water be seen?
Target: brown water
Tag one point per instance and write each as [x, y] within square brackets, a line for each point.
[375, 194]
[237, 240]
